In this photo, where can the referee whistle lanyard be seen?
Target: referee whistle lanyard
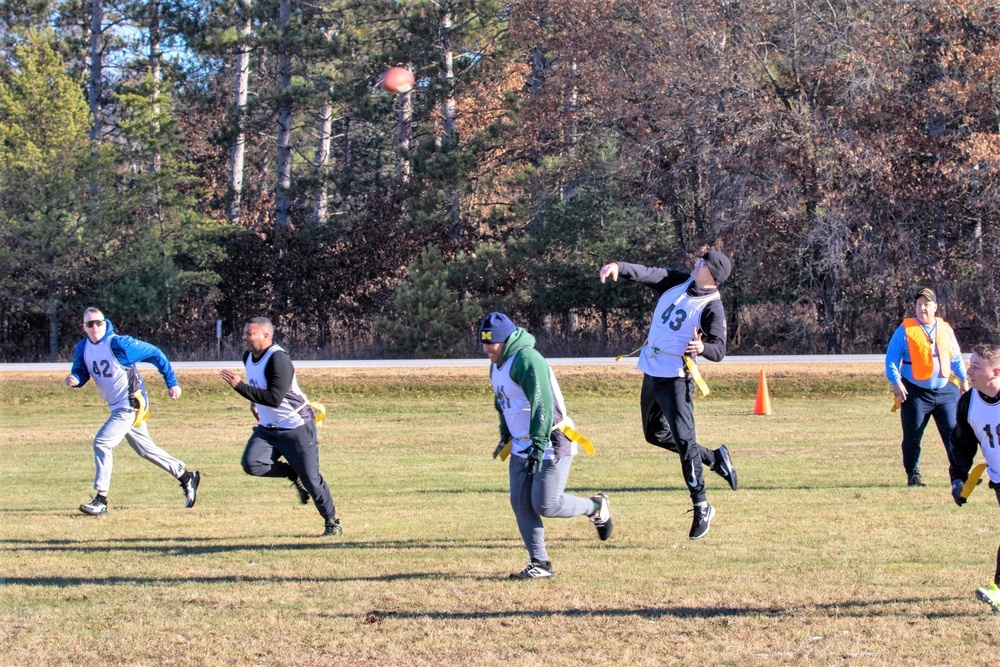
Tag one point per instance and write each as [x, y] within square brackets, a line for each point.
[689, 364]
[569, 430]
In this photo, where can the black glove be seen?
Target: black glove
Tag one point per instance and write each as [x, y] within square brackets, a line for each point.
[956, 492]
[534, 461]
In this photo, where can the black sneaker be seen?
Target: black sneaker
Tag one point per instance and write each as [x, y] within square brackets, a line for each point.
[535, 570]
[602, 517]
[332, 527]
[703, 515]
[301, 488]
[915, 479]
[724, 466]
[190, 488]
[96, 507]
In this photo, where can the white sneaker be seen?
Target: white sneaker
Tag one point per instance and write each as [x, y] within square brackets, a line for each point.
[96, 507]
[602, 517]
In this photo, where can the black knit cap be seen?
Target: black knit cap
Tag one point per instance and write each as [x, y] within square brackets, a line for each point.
[718, 265]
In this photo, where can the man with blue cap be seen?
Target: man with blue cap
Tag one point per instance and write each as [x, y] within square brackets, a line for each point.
[539, 437]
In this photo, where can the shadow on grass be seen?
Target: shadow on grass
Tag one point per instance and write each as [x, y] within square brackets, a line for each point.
[857, 608]
[175, 546]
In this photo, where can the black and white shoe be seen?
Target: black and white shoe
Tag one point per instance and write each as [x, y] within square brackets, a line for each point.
[301, 489]
[915, 479]
[602, 517]
[724, 466]
[703, 515]
[96, 507]
[190, 488]
[332, 528]
[535, 570]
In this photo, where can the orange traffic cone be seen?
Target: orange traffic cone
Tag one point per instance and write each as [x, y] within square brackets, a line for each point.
[763, 404]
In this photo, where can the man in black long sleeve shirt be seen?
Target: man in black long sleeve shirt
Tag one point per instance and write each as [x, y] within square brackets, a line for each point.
[688, 320]
[286, 424]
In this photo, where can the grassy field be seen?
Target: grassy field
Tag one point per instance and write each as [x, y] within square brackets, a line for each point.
[822, 557]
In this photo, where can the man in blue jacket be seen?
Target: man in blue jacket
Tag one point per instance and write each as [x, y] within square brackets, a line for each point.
[110, 360]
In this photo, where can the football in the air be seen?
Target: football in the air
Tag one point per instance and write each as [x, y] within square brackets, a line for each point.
[396, 80]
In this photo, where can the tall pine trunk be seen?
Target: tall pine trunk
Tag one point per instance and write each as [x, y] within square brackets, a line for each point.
[323, 162]
[236, 156]
[448, 122]
[283, 200]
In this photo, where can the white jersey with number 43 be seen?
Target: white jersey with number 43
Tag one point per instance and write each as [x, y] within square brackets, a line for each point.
[676, 320]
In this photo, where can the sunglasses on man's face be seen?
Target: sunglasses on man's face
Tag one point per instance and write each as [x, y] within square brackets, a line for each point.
[93, 323]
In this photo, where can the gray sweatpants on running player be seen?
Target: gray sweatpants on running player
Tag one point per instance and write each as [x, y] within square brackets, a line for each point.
[301, 451]
[119, 426]
[542, 495]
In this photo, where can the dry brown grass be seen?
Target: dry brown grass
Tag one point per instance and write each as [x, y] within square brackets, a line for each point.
[823, 557]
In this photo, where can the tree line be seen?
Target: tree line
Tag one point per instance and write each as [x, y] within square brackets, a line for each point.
[180, 162]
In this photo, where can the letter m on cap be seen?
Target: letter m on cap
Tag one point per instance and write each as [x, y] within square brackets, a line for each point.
[487, 335]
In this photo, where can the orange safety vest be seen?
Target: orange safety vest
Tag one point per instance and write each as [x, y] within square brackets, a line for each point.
[923, 349]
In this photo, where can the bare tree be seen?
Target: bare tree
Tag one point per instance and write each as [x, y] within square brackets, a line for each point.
[236, 155]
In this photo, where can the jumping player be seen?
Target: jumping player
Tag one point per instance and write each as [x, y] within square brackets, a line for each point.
[977, 425]
[688, 321]
[532, 416]
[111, 361]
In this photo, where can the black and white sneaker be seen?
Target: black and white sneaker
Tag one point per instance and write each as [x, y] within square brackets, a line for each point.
[301, 488]
[602, 517]
[190, 488]
[703, 515]
[96, 507]
[724, 466]
[535, 570]
[332, 527]
[915, 479]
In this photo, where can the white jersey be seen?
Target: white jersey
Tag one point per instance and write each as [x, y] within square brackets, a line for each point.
[288, 414]
[115, 382]
[984, 420]
[676, 320]
[516, 407]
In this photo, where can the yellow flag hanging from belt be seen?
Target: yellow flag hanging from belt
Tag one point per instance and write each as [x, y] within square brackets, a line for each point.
[696, 375]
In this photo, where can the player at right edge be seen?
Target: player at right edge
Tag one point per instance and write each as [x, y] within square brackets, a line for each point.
[977, 428]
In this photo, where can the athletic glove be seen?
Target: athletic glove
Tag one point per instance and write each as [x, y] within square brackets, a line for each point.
[956, 492]
[534, 461]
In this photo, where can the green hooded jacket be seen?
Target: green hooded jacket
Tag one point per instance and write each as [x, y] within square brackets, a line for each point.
[531, 373]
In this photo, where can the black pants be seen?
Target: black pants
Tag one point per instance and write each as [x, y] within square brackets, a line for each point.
[299, 448]
[668, 422]
[918, 408]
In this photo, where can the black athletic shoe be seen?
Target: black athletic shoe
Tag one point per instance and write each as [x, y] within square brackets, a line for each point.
[724, 466]
[332, 527]
[602, 517]
[535, 570]
[703, 515]
[96, 507]
[301, 488]
[190, 488]
[915, 479]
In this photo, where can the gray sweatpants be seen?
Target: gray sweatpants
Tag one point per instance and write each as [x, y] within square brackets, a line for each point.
[542, 495]
[118, 426]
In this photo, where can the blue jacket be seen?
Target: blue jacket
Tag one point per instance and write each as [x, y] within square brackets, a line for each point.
[128, 351]
[897, 363]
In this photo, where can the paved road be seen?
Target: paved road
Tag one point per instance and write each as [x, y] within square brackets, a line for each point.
[439, 363]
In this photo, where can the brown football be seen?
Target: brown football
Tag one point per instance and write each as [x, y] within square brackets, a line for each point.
[396, 80]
